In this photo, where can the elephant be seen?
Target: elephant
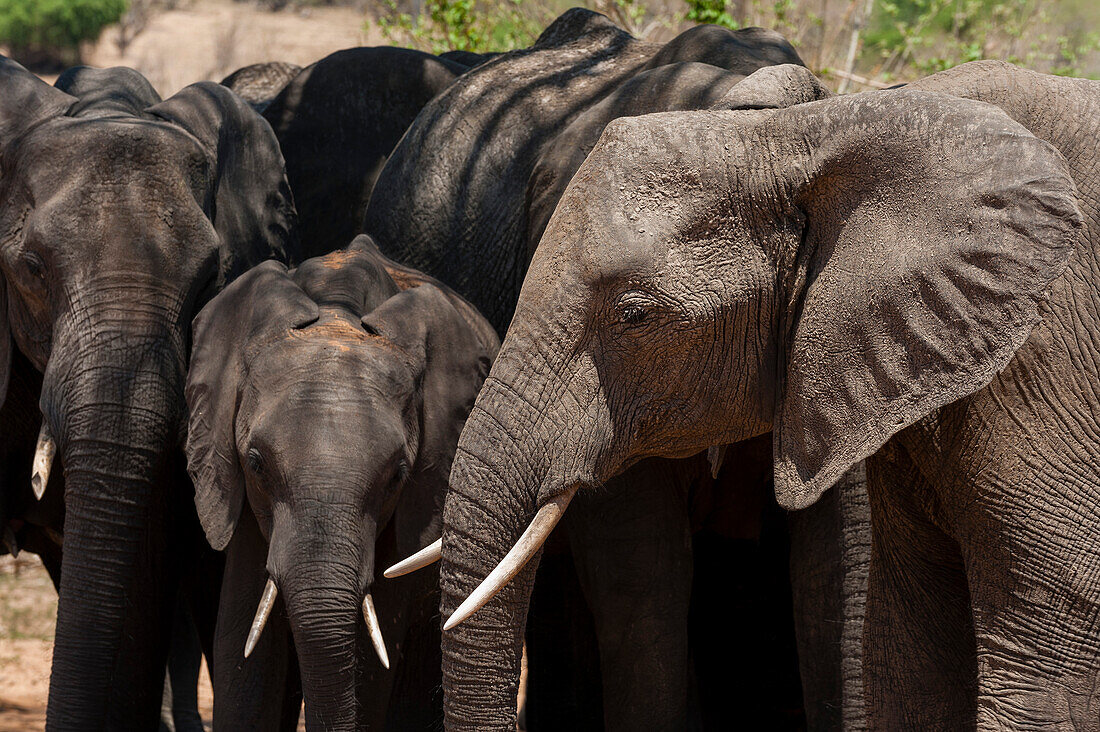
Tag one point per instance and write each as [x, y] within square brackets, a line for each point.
[902, 277]
[337, 122]
[259, 84]
[325, 404]
[121, 215]
[472, 183]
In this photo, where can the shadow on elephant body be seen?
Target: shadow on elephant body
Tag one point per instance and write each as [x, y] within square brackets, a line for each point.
[122, 214]
[326, 402]
[458, 178]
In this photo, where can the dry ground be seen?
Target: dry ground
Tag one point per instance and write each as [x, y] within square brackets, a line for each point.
[28, 607]
[209, 39]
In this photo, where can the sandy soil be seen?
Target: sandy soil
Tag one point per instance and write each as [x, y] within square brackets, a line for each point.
[209, 39]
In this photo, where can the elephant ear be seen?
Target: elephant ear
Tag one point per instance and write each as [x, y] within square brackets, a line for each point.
[934, 227]
[264, 300]
[250, 203]
[26, 101]
[426, 322]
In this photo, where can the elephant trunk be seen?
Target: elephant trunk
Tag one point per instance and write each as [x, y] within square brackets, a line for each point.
[112, 397]
[513, 459]
[320, 570]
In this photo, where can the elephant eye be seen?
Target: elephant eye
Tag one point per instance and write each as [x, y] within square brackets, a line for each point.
[634, 308]
[35, 265]
[402, 472]
[633, 314]
[255, 461]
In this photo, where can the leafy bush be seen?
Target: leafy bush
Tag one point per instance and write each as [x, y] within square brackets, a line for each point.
[711, 11]
[909, 37]
[465, 25]
[871, 43]
[40, 31]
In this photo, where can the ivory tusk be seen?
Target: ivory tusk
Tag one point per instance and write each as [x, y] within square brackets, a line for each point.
[716, 455]
[424, 557]
[267, 601]
[375, 629]
[43, 460]
[529, 543]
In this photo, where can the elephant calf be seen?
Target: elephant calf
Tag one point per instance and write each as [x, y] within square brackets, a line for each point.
[331, 397]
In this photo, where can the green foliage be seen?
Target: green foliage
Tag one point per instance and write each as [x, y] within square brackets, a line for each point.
[45, 26]
[463, 25]
[711, 11]
[874, 42]
[913, 37]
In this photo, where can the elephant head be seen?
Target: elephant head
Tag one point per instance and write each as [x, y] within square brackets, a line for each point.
[331, 397]
[828, 273]
[119, 215]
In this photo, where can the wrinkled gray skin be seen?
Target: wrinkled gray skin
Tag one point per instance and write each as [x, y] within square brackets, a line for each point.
[830, 544]
[121, 214]
[451, 201]
[337, 123]
[896, 276]
[463, 167]
[259, 84]
[456, 182]
[327, 402]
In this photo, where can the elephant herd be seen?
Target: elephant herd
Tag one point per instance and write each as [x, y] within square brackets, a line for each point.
[598, 323]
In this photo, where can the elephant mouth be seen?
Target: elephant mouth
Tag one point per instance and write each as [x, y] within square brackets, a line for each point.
[267, 603]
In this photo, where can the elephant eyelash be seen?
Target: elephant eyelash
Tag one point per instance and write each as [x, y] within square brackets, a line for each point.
[255, 460]
[634, 314]
[34, 265]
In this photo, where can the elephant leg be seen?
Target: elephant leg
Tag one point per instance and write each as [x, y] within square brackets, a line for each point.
[741, 609]
[250, 693]
[830, 557]
[416, 697]
[632, 546]
[563, 663]
[918, 644]
[184, 663]
[1035, 582]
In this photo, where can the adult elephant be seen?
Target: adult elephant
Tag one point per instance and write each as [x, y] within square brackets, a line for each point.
[822, 553]
[464, 196]
[121, 214]
[326, 403]
[897, 276]
[337, 123]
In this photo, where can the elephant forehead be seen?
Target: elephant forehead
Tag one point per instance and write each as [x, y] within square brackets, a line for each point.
[345, 279]
[109, 144]
[335, 347]
[72, 160]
